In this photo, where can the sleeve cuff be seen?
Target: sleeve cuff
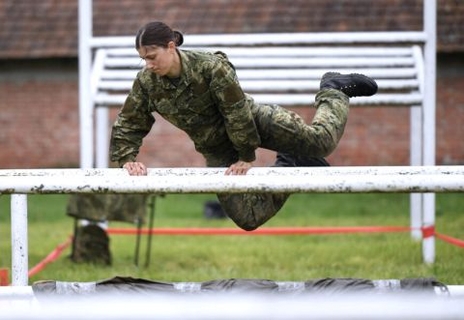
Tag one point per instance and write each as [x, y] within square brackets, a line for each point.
[247, 156]
[126, 159]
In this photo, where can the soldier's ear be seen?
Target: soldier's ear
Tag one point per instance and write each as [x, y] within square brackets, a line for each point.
[171, 46]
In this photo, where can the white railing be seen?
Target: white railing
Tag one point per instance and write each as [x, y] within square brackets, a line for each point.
[367, 305]
[212, 180]
[409, 179]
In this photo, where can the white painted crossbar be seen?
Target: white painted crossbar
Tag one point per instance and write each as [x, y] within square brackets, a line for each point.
[266, 171]
[210, 180]
[261, 39]
[343, 183]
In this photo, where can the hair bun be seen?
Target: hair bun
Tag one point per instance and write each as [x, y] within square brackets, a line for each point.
[178, 38]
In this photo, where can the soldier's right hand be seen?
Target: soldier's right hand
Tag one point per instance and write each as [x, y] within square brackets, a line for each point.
[135, 168]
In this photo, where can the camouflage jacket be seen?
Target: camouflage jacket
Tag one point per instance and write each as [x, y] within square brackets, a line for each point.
[207, 103]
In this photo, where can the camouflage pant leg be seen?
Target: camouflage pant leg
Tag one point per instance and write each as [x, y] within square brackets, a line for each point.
[112, 207]
[251, 210]
[91, 244]
[247, 210]
[285, 131]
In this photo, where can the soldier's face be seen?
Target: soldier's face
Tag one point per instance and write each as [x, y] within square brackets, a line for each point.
[159, 60]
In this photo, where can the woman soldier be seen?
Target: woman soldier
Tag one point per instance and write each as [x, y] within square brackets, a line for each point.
[199, 93]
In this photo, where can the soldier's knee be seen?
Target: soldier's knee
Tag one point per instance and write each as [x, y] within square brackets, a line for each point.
[249, 226]
[246, 224]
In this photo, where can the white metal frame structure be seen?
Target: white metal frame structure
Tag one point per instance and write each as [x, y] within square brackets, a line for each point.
[401, 61]
[417, 60]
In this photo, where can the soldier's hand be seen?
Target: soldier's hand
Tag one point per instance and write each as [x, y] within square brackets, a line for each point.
[135, 168]
[239, 168]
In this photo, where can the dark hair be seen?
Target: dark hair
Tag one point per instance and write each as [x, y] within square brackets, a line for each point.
[159, 34]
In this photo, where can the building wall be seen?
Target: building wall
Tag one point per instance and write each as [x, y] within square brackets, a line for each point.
[39, 123]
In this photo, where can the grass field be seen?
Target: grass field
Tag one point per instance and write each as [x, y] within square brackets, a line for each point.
[283, 258]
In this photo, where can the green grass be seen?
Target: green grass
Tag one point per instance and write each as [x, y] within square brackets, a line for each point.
[291, 258]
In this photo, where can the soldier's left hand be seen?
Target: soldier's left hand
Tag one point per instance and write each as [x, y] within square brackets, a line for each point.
[135, 168]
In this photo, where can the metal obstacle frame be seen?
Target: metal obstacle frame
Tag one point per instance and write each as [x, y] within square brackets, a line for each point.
[94, 121]
[404, 179]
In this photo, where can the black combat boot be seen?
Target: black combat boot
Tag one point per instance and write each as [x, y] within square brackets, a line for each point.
[312, 162]
[284, 160]
[91, 245]
[353, 84]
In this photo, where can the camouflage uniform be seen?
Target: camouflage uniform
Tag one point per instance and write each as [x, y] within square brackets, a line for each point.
[226, 125]
[91, 242]
[108, 207]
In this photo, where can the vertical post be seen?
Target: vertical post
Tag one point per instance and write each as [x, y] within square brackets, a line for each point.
[101, 114]
[85, 102]
[429, 121]
[102, 139]
[19, 250]
[416, 208]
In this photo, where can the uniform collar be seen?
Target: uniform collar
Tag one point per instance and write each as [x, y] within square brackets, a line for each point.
[185, 74]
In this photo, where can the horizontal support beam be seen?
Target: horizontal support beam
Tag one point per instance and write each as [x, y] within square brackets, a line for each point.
[293, 38]
[283, 51]
[310, 180]
[390, 100]
[272, 85]
[287, 73]
[288, 300]
[286, 62]
[255, 171]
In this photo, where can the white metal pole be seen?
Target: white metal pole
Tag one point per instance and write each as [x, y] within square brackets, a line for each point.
[85, 103]
[415, 205]
[101, 114]
[417, 148]
[102, 138]
[429, 122]
[343, 183]
[445, 171]
[19, 250]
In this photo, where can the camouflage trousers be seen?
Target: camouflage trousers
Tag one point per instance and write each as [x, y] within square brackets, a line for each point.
[91, 243]
[108, 207]
[284, 131]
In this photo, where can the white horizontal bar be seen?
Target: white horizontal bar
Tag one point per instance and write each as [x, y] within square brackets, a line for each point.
[239, 305]
[106, 99]
[280, 51]
[293, 38]
[349, 183]
[317, 73]
[287, 73]
[274, 85]
[255, 171]
[286, 62]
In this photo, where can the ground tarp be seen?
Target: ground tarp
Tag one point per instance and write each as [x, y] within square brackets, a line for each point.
[126, 285]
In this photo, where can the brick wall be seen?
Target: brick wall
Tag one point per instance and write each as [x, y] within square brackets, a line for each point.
[39, 123]
[36, 132]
